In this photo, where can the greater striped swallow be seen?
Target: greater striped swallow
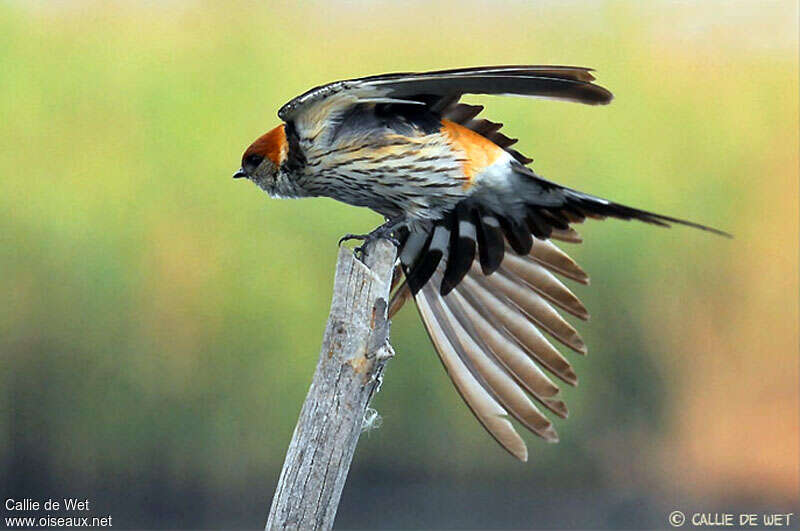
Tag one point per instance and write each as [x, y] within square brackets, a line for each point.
[473, 221]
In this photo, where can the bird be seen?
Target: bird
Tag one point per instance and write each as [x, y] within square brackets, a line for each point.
[474, 224]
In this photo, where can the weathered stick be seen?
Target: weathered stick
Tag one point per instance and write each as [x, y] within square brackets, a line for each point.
[354, 351]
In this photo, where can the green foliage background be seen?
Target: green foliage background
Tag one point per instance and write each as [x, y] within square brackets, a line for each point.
[159, 322]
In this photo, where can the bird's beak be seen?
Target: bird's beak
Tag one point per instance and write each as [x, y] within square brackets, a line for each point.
[239, 174]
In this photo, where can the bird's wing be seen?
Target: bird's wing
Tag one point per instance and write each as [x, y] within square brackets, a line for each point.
[438, 90]
[493, 334]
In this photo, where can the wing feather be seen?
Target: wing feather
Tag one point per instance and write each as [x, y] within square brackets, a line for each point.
[485, 408]
[440, 89]
[488, 332]
[535, 307]
[499, 382]
[481, 310]
[543, 282]
[550, 256]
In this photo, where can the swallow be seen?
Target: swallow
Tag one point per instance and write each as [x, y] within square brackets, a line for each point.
[474, 223]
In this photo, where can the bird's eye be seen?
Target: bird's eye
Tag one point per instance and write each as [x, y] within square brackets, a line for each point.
[252, 161]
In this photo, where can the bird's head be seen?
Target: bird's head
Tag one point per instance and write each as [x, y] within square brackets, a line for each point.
[261, 161]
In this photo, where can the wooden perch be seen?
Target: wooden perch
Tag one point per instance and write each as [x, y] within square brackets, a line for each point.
[355, 349]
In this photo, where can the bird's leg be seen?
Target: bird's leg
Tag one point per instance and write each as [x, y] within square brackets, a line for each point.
[385, 231]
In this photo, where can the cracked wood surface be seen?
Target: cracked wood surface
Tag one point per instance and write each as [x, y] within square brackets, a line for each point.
[354, 350]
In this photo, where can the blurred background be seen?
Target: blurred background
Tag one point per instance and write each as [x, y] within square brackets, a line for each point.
[160, 322]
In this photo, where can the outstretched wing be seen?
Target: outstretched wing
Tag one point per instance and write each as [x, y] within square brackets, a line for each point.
[311, 111]
[493, 334]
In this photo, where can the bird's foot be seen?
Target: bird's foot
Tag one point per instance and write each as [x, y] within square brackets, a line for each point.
[384, 232]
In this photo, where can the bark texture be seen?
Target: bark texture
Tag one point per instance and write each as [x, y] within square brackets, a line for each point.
[355, 349]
